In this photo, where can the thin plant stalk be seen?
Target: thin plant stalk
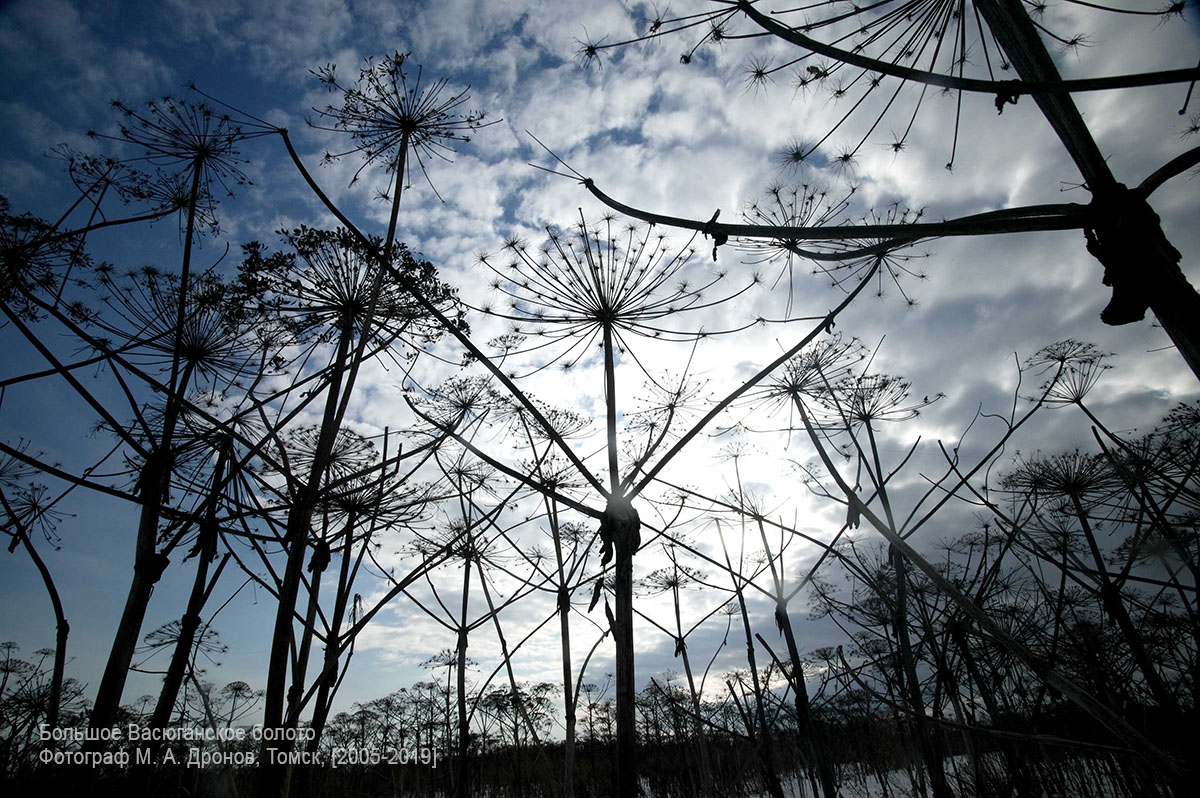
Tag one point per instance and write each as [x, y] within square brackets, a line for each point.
[767, 754]
[62, 628]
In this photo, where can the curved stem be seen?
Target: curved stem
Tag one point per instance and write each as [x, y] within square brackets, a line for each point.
[1176, 166]
[1006, 88]
[1033, 218]
[63, 629]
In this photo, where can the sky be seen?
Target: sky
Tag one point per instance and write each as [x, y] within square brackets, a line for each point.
[680, 139]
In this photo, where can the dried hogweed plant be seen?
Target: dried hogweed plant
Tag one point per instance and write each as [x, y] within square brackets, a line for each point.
[388, 113]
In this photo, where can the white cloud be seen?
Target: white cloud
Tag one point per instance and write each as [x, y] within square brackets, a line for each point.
[681, 140]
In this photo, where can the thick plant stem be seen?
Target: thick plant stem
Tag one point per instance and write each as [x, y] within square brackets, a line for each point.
[329, 667]
[804, 724]
[814, 744]
[148, 568]
[343, 369]
[295, 543]
[930, 749]
[623, 528]
[564, 632]
[317, 565]
[154, 482]
[464, 729]
[927, 741]
[620, 531]
[610, 411]
[206, 552]
[1139, 263]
